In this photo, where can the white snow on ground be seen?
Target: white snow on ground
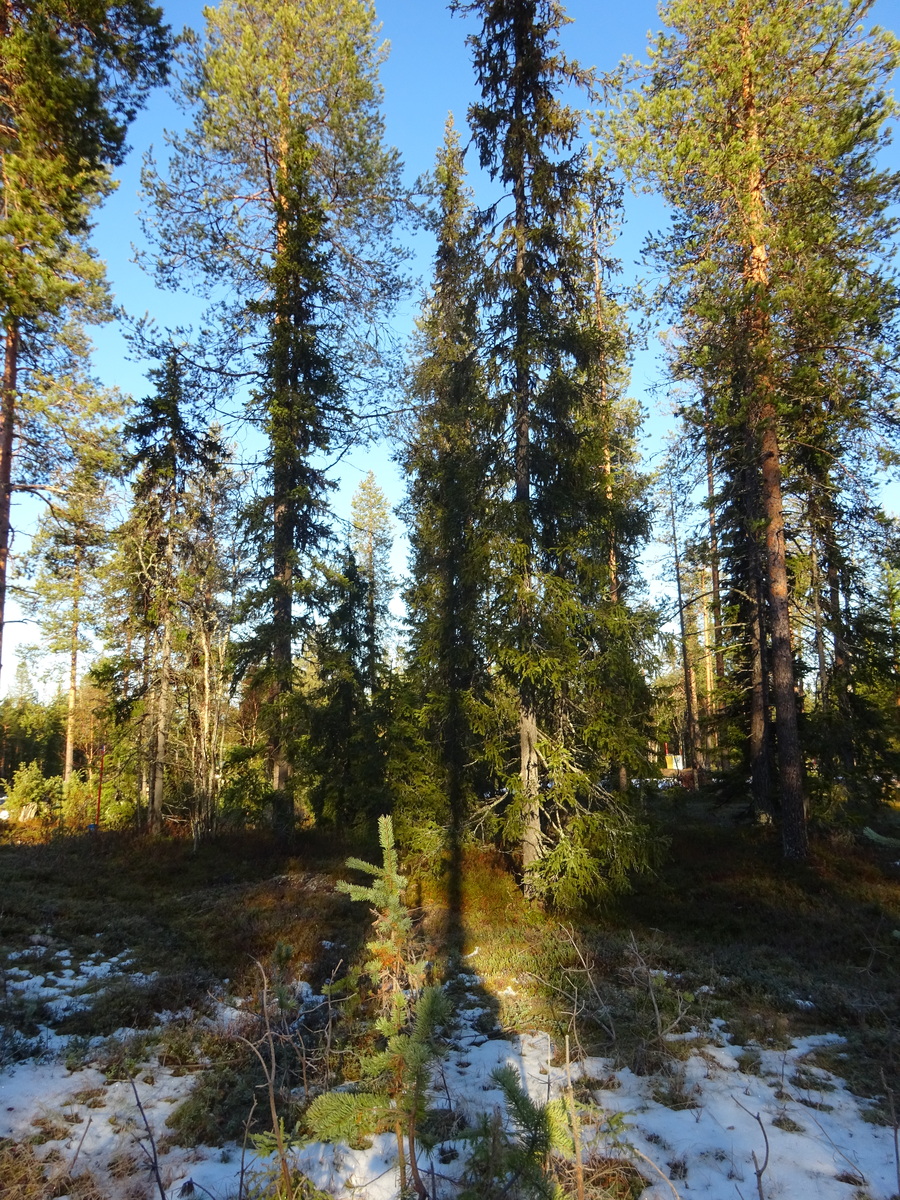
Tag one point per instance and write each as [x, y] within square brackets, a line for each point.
[819, 1144]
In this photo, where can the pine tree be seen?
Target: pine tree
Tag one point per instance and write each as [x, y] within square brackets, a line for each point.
[291, 195]
[760, 124]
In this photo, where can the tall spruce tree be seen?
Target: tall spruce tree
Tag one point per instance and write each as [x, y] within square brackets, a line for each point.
[282, 187]
[553, 600]
[159, 537]
[760, 125]
[448, 457]
[371, 539]
[343, 755]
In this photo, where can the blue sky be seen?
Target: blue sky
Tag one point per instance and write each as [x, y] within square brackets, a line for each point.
[427, 75]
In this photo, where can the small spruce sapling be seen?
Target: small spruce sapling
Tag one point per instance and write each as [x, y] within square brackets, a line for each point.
[515, 1162]
[392, 963]
[396, 1076]
[397, 1081]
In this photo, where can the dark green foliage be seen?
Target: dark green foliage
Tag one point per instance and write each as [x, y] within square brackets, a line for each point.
[449, 457]
[300, 387]
[282, 187]
[101, 60]
[563, 506]
[393, 964]
[30, 732]
[396, 1075]
[169, 592]
[344, 751]
[222, 1097]
[515, 1162]
[762, 127]
[36, 793]
[74, 77]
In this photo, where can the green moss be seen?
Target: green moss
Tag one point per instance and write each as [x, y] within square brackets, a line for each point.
[219, 1108]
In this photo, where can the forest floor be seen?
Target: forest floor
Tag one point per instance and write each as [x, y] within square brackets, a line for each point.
[729, 1029]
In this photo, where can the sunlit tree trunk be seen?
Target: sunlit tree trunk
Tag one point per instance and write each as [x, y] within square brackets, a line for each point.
[764, 423]
[7, 431]
[69, 761]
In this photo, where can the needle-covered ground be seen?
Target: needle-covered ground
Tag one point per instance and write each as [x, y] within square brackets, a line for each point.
[728, 1030]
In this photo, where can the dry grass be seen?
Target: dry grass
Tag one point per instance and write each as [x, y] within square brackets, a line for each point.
[24, 1177]
[192, 918]
[22, 1173]
[725, 929]
[604, 1178]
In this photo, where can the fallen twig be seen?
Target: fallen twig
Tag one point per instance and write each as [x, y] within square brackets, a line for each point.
[661, 1174]
[80, 1144]
[889, 1091]
[152, 1158]
[760, 1170]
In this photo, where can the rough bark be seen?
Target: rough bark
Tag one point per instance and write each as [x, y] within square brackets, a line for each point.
[818, 619]
[692, 732]
[7, 433]
[795, 840]
[714, 567]
[529, 762]
[764, 424]
[69, 761]
[160, 733]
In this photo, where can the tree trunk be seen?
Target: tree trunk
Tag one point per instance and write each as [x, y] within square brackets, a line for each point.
[529, 760]
[692, 733]
[145, 733]
[7, 431]
[711, 739]
[69, 762]
[764, 424]
[532, 840]
[760, 744]
[714, 567]
[160, 733]
[818, 619]
[795, 840]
